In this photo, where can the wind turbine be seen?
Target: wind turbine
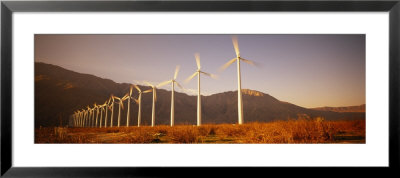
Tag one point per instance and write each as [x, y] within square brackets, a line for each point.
[173, 81]
[97, 112]
[84, 117]
[101, 114]
[121, 104]
[129, 104]
[93, 110]
[81, 117]
[78, 114]
[139, 102]
[153, 112]
[238, 59]
[107, 107]
[198, 72]
[90, 114]
[112, 110]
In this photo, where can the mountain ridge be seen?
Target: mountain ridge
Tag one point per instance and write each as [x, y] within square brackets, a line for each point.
[59, 92]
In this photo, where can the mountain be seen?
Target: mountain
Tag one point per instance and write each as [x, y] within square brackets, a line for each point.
[360, 108]
[59, 92]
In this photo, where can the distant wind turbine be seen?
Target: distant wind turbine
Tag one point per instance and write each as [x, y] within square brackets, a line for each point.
[153, 113]
[84, 117]
[139, 102]
[97, 113]
[198, 72]
[173, 81]
[106, 108]
[89, 117]
[238, 59]
[121, 104]
[129, 104]
[112, 110]
[101, 114]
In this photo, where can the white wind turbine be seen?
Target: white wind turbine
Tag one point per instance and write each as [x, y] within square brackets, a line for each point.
[121, 104]
[173, 81]
[97, 113]
[238, 59]
[81, 116]
[112, 110]
[139, 102]
[198, 72]
[84, 117]
[90, 115]
[129, 104]
[153, 112]
[75, 118]
[101, 114]
[106, 108]
[92, 118]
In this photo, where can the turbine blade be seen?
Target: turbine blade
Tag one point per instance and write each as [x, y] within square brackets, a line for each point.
[179, 85]
[236, 45]
[137, 88]
[122, 104]
[164, 83]
[149, 84]
[227, 64]
[249, 62]
[148, 91]
[210, 75]
[176, 71]
[137, 101]
[197, 56]
[190, 77]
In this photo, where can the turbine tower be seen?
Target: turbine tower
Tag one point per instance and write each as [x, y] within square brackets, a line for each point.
[101, 113]
[139, 102]
[121, 104]
[106, 108]
[198, 72]
[238, 59]
[173, 81]
[153, 112]
[97, 112]
[129, 104]
[112, 110]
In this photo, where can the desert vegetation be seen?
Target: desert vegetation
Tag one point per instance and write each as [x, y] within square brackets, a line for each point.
[292, 131]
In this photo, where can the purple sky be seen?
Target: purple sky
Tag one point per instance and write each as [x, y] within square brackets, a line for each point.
[306, 70]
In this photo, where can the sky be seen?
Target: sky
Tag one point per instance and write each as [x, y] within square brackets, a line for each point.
[305, 69]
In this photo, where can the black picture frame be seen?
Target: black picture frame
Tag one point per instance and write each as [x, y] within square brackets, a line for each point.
[8, 7]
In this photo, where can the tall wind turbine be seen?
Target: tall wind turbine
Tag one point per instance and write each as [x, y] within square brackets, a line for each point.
[84, 117]
[198, 72]
[93, 110]
[101, 114]
[129, 104]
[121, 104]
[153, 112]
[106, 108]
[97, 112]
[173, 81]
[139, 102]
[112, 110]
[90, 115]
[238, 58]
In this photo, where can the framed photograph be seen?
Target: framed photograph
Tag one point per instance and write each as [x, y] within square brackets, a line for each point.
[141, 88]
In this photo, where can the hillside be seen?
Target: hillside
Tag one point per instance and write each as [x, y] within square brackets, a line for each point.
[360, 108]
[59, 92]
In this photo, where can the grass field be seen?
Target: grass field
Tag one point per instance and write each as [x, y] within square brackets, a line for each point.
[292, 131]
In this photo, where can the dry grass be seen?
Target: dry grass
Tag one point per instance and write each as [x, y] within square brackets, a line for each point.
[293, 131]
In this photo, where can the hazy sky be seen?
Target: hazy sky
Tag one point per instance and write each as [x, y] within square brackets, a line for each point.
[306, 70]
